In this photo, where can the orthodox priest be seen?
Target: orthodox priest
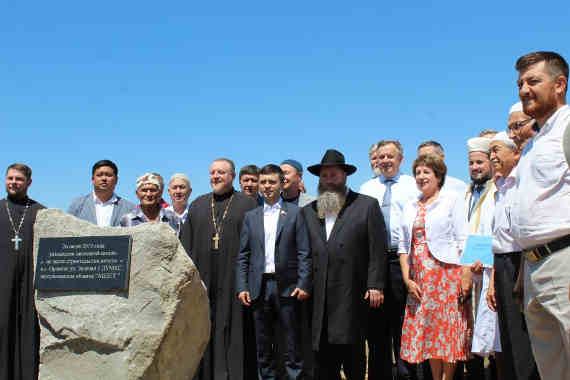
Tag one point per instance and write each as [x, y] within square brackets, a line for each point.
[211, 236]
[19, 330]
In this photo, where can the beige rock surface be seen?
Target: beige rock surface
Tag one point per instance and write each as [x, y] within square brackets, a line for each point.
[158, 330]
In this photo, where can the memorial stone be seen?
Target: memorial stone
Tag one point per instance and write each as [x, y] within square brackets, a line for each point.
[156, 327]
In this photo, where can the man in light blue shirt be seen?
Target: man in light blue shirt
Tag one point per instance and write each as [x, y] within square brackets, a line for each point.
[393, 190]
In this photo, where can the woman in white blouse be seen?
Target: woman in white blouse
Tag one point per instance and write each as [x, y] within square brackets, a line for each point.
[433, 230]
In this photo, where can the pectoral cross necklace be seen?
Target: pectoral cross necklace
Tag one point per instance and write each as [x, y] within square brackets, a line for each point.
[218, 228]
[17, 239]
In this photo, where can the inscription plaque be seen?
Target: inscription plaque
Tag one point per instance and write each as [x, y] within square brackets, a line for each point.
[87, 263]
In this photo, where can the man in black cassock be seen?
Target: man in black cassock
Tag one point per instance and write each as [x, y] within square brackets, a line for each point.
[19, 330]
[211, 236]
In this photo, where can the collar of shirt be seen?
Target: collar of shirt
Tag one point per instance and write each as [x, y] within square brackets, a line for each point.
[162, 215]
[550, 122]
[478, 189]
[114, 199]
[171, 208]
[394, 179]
[275, 208]
[442, 196]
[508, 181]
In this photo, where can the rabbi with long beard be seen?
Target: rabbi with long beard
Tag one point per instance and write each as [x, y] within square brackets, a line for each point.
[348, 239]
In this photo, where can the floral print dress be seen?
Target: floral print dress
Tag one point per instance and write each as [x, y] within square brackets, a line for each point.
[438, 326]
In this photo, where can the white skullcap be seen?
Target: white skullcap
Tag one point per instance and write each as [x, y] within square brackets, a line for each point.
[478, 144]
[149, 179]
[517, 107]
[504, 138]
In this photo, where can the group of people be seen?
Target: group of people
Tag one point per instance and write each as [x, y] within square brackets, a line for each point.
[299, 286]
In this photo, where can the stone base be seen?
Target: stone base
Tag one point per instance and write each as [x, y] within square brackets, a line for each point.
[157, 330]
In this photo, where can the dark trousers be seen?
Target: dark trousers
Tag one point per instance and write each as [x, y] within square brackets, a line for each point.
[331, 357]
[473, 369]
[272, 312]
[518, 359]
[385, 328]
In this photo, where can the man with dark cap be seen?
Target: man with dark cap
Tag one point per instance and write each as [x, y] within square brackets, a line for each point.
[347, 236]
[292, 183]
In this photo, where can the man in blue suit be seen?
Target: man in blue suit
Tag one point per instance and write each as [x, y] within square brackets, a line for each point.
[102, 207]
[274, 274]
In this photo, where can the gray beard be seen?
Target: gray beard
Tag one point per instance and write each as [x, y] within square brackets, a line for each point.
[330, 201]
[377, 171]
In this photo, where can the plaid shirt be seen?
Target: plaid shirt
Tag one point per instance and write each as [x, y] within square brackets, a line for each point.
[136, 217]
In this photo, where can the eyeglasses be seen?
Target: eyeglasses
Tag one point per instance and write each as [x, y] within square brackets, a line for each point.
[518, 124]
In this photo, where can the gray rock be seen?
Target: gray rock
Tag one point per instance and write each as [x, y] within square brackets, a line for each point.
[159, 330]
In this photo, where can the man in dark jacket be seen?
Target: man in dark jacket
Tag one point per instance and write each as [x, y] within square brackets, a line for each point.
[348, 239]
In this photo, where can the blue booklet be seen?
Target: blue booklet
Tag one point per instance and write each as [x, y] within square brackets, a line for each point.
[478, 248]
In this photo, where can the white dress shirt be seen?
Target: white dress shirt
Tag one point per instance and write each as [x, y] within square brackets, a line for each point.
[329, 224]
[445, 225]
[104, 210]
[455, 185]
[503, 240]
[404, 190]
[541, 211]
[270, 219]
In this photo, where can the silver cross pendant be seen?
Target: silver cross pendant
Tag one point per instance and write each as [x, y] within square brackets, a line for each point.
[16, 240]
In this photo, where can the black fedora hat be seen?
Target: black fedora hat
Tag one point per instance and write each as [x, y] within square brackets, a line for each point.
[332, 158]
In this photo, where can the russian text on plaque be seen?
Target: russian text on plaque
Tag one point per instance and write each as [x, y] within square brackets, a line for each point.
[87, 263]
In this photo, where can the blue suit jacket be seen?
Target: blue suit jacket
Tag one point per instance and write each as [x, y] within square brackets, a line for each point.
[84, 208]
[293, 263]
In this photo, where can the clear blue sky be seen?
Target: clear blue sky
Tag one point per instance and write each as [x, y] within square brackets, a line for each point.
[167, 87]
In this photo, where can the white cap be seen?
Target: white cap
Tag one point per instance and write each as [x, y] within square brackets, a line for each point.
[504, 138]
[478, 144]
[517, 107]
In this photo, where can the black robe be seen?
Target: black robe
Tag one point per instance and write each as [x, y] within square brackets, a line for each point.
[230, 355]
[19, 330]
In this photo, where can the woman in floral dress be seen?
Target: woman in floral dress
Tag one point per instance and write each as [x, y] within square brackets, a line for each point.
[437, 324]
